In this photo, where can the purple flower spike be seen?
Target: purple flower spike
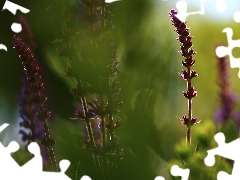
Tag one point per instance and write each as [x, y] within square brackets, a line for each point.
[31, 102]
[28, 111]
[187, 74]
[227, 99]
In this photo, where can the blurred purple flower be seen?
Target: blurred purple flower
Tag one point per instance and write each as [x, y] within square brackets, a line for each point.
[28, 112]
[227, 99]
[31, 101]
[93, 118]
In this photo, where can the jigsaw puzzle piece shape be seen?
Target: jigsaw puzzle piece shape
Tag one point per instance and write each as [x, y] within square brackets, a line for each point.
[12, 7]
[223, 176]
[182, 10]
[210, 159]
[222, 51]
[227, 150]
[177, 171]
[64, 164]
[7, 163]
[233, 176]
[35, 164]
[5, 156]
[40, 175]
[9, 168]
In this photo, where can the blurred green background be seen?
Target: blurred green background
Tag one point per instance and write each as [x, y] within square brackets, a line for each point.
[151, 86]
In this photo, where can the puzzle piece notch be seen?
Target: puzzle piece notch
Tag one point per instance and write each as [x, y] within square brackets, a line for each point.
[177, 171]
[222, 51]
[182, 10]
[12, 7]
[64, 164]
[36, 168]
[16, 27]
[33, 169]
[181, 6]
[5, 154]
[220, 139]
[223, 176]
[35, 164]
[228, 150]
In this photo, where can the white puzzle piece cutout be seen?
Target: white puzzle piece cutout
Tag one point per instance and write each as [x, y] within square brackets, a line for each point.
[35, 164]
[227, 150]
[6, 160]
[182, 9]
[177, 171]
[15, 27]
[222, 51]
[12, 7]
[33, 169]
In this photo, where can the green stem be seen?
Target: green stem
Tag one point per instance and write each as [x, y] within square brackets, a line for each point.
[103, 125]
[49, 149]
[188, 136]
[83, 99]
[90, 132]
[111, 126]
[189, 86]
[87, 120]
[104, 138]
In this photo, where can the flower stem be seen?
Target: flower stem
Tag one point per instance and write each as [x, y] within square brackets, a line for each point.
[50, 148]
[104, 138]
[82, 97]
[189, 86]
[87, 120]
[90, 132]
[187, 74]
[188, 136]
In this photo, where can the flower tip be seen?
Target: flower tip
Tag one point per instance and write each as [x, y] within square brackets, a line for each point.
[173, 12]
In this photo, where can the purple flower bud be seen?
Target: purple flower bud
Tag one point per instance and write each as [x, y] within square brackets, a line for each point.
[185, 121]
[191, 93]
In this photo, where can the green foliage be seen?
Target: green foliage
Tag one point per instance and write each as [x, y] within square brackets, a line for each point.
[193, 157]
[151, 87]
